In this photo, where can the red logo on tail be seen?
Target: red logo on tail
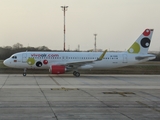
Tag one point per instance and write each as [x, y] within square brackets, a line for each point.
[146, 32]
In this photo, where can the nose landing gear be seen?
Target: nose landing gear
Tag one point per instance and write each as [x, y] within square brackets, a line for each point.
[24, 72]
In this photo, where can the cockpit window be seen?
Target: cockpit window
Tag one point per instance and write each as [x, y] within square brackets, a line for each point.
[14, 57]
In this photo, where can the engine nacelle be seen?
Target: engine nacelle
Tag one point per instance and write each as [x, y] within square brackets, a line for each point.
[57, 69]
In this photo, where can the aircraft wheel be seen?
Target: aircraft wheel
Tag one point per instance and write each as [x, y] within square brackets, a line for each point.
[74, 73]
[24, 74]
[77, 74]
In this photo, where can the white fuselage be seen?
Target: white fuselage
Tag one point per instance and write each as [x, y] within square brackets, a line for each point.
[110, 60]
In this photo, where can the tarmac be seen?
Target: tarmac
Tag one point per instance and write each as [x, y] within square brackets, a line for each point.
[88, 97]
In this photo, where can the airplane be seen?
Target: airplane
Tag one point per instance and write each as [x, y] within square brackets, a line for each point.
[61, 62]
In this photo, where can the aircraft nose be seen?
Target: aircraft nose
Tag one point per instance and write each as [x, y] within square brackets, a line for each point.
[6, 62]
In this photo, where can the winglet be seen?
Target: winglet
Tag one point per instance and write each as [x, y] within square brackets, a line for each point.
[102, 55]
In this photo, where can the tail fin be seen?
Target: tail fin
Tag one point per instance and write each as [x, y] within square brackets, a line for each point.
[141, 45]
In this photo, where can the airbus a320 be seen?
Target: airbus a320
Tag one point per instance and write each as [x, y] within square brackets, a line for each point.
[61, 62]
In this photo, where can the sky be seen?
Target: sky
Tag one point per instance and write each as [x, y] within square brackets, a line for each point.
[117, 23]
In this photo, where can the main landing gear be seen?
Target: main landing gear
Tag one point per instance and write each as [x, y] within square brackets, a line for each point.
[75, 73]
[24, 72]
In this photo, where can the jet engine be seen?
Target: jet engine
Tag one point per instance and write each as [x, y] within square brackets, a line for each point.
[57, 69]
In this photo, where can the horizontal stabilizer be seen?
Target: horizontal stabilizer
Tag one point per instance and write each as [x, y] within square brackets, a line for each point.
[145, 57]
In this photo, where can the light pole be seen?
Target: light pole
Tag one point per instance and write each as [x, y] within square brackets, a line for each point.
[95, 41]
[64, 9]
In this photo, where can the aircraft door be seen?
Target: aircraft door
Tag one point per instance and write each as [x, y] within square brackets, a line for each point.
[24, 57]
[125, 58]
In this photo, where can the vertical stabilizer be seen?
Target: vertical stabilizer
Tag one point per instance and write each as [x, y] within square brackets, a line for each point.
[141, 45]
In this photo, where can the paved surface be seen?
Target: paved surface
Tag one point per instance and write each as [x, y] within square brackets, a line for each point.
[64, 97]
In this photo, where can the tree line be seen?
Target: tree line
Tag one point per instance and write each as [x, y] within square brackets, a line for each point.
[7, 51]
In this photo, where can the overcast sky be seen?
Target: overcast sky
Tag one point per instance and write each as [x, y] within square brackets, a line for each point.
[118, 23]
